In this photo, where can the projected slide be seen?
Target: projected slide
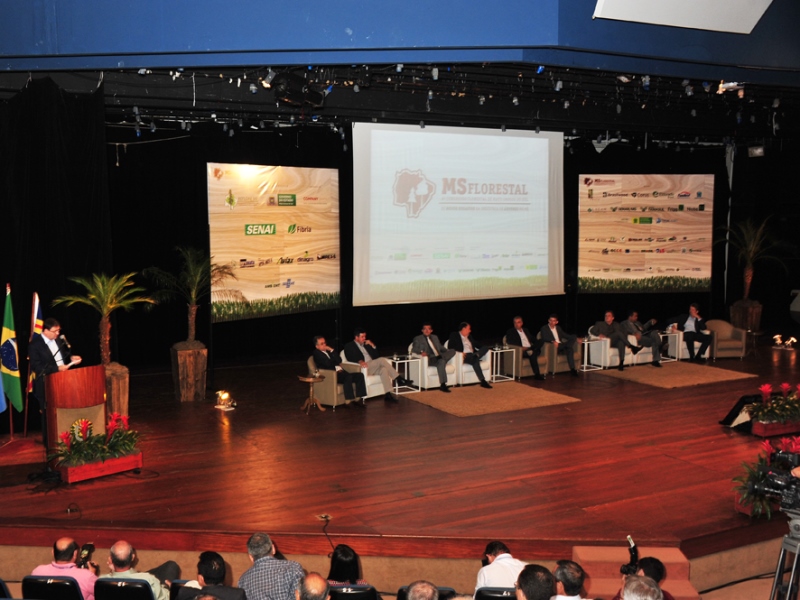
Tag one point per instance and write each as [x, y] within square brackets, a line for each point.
[445, 213]
[279, 228]
[645, 233]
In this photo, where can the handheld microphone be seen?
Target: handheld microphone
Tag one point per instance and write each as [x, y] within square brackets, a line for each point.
[64, 339]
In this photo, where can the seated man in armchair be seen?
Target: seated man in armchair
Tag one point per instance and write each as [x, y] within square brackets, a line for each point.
[531, 347]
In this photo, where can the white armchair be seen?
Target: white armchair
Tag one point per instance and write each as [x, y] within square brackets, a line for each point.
[681, 351]
[465, 373]
[374, 384]
[427, 376]
[609, 357]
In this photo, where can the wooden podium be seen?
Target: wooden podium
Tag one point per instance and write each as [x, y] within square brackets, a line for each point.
[81, 394]
[72, 395]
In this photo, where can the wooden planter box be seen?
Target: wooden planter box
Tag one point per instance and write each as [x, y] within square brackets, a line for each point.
[772, 429]
[189, 369]
[100, 469]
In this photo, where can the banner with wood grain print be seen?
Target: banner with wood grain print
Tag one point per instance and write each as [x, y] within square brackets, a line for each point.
[278, 227]
[645, 233]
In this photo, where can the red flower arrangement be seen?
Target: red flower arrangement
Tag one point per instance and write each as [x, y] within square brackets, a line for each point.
[79, 445]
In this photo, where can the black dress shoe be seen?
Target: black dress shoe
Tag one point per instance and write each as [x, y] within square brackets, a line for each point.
[444, 388]
[485, 384]
[656, 364]
[621, 367]
[573, 372]
[389, 397]
[539, 377]
[636, 349]
[407, 382]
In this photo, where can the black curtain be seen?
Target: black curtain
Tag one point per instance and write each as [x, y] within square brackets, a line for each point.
[53, 206]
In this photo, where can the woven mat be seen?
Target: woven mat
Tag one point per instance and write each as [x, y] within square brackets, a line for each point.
[675, 374]
[473, 400]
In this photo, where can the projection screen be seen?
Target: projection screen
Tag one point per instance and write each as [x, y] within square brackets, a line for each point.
[446, 213]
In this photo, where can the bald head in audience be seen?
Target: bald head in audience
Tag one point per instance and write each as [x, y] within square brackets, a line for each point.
[122, 556]
[313, 587]
[423, 590]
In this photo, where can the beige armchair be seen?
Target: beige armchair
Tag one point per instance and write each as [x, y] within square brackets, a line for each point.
[557, 361]
[728, 342]
[328, 392]
[522, 366]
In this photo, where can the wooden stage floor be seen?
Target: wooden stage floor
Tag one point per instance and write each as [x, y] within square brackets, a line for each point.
[408, 480]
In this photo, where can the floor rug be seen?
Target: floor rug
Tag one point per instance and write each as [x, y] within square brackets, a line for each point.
[675, 374]
[473, 400]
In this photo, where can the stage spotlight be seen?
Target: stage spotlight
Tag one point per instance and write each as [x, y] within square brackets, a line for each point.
[294, 89]
[225, 401]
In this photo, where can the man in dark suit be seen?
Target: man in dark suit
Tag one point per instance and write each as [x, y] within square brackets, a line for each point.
[211, 577]
[564, 342]
[531, 347]
[427, 344]
[365, 353]
[644, 334]
[609, 328]
[326, 358]
[462, 341]
[692, 326]
[48, 353]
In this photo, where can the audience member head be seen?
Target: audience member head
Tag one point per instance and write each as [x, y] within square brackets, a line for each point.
[211, 569]
[259, 545]
[535, 583]
[495, 549]
[651, 567]
[344, 565]
[312, 587]
[65, 550]
[638, 587]
[422, 590]
[206, 597]
[122, 556]
[569, 578]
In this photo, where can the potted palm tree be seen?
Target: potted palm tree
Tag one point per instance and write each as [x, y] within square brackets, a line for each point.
[106, 294]
[194, 280]
[752, 242]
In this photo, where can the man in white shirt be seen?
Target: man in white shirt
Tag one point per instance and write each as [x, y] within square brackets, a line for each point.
[501, 569]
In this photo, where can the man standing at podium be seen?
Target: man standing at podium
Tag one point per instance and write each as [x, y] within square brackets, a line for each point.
[48, 353]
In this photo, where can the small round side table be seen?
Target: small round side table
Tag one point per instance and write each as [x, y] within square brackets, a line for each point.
[311, 400]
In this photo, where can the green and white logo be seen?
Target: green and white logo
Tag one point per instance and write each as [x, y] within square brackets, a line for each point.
[293, 228]
[287, 200]
[259, 229]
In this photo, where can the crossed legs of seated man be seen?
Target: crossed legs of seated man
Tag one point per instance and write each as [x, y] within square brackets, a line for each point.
[533, 357]
[474, 359]
[690, 337]
[651, 339]
[440, 362]
[384, 369]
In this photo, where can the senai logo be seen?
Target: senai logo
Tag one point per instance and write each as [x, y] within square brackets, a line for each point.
[412, 190]
[295, 228]
[259, 229]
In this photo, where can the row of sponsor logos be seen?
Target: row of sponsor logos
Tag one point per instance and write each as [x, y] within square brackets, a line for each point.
[654, 194]
[623, 240]
[232, 200]
[272, 229]
[646, 251]
[456, 255]
[659, 209]
[247, 263]
[643, 269]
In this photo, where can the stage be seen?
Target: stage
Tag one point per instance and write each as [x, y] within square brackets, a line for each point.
[405, 479]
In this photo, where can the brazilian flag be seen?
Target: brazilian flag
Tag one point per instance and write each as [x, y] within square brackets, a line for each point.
[9, 357]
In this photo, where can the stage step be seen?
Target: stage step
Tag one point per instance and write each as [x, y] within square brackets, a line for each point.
[602, 564]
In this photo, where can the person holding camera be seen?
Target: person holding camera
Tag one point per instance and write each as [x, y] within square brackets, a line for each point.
[65, 556]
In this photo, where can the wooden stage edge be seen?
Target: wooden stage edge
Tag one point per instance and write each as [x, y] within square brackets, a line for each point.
[369, 545]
